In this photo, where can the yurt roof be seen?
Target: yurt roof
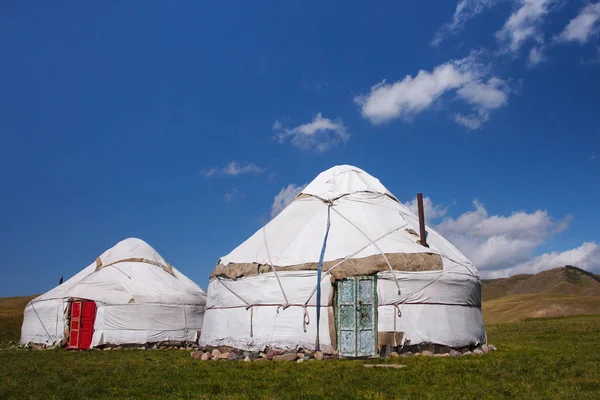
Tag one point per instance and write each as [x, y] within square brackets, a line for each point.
[342, 180]
[365, 221]
[131, 271]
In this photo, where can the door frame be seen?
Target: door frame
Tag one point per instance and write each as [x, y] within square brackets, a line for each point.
[356, 279]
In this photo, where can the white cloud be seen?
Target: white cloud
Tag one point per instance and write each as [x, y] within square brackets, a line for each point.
[478, 223]
[586, 256]
[472, 121]
[277, 125]
[536, 56]
[319, 135]
[524, 24]
[484, 97]
[496, 241]
[431, 211]
[495, 251]
[411, 96]
[592, 157]
[465, 10]
[233, 168]
[563, 225]
[487, 95]
[285, 197]
[583, 26]
[209, 172]
[228, 197]
[504, 245]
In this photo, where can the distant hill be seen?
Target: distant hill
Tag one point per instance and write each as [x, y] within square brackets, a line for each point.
[567, 280]
[557, 292]
[494, 288]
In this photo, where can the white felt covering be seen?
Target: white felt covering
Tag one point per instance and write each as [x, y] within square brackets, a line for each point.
[442, 307]
[137, 302]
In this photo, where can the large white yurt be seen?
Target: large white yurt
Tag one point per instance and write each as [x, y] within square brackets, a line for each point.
[378, 284]
[129, 295]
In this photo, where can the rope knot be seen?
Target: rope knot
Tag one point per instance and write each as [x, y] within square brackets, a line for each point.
[305, 319]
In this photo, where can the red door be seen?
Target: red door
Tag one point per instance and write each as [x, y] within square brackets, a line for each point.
[83, 314]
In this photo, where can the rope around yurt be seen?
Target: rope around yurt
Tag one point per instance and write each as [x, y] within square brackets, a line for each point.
[319, 268]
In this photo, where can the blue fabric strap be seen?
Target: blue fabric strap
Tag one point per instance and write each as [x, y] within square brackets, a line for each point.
[319, 272]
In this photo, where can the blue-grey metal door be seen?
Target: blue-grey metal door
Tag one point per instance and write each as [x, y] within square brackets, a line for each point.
[356, 316]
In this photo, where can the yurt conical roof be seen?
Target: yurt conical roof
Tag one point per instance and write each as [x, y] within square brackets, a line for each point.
[148, 278]
[369, 231]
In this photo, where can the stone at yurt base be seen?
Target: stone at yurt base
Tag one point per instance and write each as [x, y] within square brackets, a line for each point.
[206, 354]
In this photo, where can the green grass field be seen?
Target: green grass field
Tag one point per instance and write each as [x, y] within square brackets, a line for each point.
[537, 359]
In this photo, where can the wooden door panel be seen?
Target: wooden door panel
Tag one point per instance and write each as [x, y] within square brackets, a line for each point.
[366, 316]
[87, 324]
[356, 318]
[83, 316]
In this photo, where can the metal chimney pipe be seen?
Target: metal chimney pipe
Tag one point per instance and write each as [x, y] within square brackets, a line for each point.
[422, 232]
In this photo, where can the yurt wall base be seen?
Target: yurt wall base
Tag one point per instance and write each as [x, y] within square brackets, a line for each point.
[251, 313]
[45, 323]
[147, 323]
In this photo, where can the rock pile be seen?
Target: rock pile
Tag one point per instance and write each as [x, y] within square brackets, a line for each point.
[298, 355]
[229, 353]
[173, 345]
[431, 350]
[301, 355]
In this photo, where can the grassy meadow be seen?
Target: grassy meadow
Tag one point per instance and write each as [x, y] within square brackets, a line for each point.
[537, 359]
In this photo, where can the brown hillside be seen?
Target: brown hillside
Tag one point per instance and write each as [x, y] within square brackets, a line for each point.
[11, 306]
[494, 288]
[11, 318]
[563, 281]
[519, 307]
[554, 293]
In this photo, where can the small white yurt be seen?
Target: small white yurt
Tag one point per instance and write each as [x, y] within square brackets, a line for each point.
[378, 285]
[129, 295]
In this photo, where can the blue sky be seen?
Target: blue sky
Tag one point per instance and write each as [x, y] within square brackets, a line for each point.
[183, 124]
